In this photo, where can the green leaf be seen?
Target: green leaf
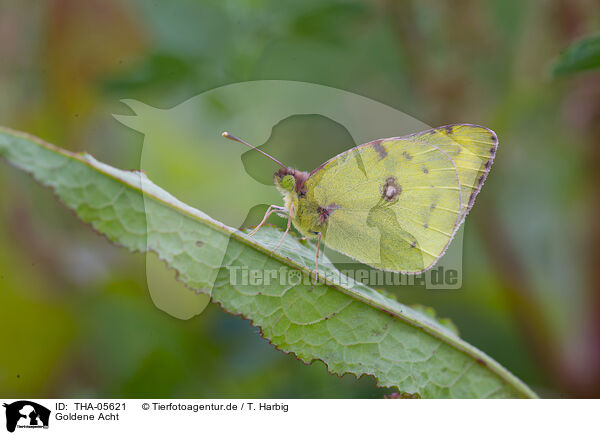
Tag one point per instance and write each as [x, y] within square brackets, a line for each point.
[580, 56]
[350, 327]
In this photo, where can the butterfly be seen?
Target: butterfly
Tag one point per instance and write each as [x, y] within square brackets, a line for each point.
[395, 203]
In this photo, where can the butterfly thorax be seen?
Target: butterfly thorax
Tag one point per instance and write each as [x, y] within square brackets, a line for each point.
[306, 214]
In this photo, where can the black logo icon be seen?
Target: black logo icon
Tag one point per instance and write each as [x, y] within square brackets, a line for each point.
[26, 414]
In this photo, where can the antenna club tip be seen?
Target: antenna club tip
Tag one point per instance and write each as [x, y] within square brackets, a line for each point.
[225, 134]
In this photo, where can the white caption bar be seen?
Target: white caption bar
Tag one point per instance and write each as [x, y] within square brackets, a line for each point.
[294, 416]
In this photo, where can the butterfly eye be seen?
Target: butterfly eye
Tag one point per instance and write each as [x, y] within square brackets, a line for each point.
[288, 183]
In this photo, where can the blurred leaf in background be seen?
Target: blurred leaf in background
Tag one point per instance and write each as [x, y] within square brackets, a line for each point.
[582, 55]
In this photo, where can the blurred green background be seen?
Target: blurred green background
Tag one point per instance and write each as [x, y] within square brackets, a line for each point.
[76, 318]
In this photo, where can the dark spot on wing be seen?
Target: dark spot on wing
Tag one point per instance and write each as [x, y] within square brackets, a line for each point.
[425, 171]
[413, 244]
[449, 129]
[425, 225]
[324, 212]
[407, 156]
[380, 149]
[481, 179]
[488, 164]
[391, 189]
[199, 243]
[493, 137]
[493, 150]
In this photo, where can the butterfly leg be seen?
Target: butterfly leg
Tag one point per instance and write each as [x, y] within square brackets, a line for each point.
[287, 230]
[270, 210]
[317, 262]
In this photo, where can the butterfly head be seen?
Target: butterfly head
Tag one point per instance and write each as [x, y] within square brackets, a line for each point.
[288, 180]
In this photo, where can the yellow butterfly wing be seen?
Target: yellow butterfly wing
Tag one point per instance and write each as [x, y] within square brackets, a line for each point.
[472, 148]
[437, 173]
[394, 203]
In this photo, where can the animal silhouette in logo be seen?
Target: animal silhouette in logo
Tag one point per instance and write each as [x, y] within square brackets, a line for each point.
[26, 413]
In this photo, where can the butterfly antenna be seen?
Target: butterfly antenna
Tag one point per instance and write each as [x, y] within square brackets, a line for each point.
[237, 139]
